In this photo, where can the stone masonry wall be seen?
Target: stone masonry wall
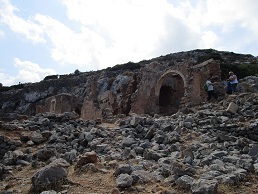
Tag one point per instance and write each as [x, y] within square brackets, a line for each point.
[92, 95]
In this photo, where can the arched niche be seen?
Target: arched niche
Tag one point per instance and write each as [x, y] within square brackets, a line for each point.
[170, 90]
[53, 105]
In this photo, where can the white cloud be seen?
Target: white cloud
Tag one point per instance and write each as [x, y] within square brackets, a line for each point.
[7, 80]
[27, 72]
[31, 72]
[27, 28]
[230, 12]
[118, 31]
[209, 39]
[69, 47]
[237, 20]
[125, 30]
[228, 24]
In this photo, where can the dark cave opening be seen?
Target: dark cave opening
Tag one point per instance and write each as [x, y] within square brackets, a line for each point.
[165, 96]
[170, 96]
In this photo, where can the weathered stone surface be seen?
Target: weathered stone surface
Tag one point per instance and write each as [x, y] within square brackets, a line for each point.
[36, 137]
[232, 107]
[185, 182]
[254, 150]
[142, 177]
[48, 177]
[125, 91]
[127, 142]
[123, 169]
[46, 153]
[88, 157]
[124, 181]
[203, 186]
[48, 192]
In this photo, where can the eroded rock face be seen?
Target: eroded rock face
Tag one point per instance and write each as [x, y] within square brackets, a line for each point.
[102, 95]
[158, 86]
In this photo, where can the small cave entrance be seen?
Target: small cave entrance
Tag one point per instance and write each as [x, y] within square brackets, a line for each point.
[165, 95]
[171, 93]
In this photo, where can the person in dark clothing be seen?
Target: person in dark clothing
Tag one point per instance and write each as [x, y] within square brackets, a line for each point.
[229, 88]
[210, 90]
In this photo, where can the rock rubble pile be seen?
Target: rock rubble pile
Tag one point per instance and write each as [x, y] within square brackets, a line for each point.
[194, 150]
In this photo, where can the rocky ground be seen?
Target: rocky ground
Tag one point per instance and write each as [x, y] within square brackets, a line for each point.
[211, 148]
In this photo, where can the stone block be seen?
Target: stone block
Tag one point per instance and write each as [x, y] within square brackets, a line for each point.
[232, 107]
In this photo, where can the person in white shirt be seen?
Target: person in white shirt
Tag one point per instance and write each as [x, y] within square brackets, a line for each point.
[210, 90]
[233, 80]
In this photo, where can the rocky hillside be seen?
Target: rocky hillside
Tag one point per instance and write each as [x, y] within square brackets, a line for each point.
[209, 148]
[242, 64]
[50, 138]
[122, 88]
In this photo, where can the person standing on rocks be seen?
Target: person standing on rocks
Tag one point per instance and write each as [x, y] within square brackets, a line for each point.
[210, 90]
[229, 88]
[233, 80]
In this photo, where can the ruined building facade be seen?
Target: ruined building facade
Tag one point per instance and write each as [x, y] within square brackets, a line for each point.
[155, 88]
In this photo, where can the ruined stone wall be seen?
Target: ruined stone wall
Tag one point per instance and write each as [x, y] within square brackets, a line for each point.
[201, 72]
[61, 103]
[144, 100]
[109, 94]
[93, 95]
[189, 90]
[90, 111]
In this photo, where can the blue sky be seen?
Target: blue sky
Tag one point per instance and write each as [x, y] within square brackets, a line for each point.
[40, 38]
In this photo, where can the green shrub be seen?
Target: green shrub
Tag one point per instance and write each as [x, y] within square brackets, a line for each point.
[49, 77]
[215, 56]
[5, 89]
[241, 70]
[126, 66]
[128, 73]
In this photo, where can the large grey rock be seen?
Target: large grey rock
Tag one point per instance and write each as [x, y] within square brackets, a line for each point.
[254, 151]
[219, 154]
[211, 174]
[234, 177]
[9, 158]
[48, 177]
[150, 154]
[46, 153]
[123, 169]
[127, 142]
[203, 186]
[142, 176]
[124, 181]
[36, 137]
[185, 182]
[86, 136]
[70, 157]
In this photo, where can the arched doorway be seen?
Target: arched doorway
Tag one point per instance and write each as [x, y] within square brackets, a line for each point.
[170, 90]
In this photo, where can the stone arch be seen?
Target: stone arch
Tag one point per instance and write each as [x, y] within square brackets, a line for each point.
[169, 90]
